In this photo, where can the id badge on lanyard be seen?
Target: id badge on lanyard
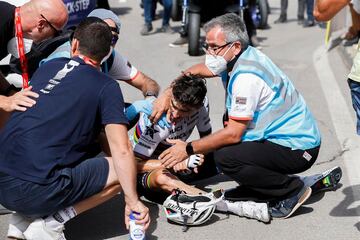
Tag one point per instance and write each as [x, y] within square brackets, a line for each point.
[21, 49]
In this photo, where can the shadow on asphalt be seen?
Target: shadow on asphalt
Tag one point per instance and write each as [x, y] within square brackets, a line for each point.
[106, 221]
[357, 225]
[121, 11]
[319, 195]
[302, 210]
[214, 218]
[314, 198]
[154, 215]
[349, 206]
[202, 184]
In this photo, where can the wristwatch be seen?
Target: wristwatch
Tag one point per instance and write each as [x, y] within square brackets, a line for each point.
[150, 94]
[189, 149]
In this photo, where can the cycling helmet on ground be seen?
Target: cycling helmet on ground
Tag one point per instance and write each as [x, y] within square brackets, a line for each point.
[190, 210]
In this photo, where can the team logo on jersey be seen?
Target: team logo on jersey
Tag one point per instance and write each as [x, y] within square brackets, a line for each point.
[59, 76]
[150, 131]
[240, 100]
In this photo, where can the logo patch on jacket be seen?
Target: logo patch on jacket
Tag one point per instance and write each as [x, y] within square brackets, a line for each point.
[307, 156]
[240, 100]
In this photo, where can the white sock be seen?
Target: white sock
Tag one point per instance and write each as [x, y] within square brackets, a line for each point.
[59, 218]
[248, 209]
[233, 207]
[222, 206]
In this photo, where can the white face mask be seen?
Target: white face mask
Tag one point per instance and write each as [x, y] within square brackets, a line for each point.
[12, 46]
[108, 55]
[216, 64]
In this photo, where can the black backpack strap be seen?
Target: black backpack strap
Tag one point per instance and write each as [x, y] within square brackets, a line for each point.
[106, 66]
[39, 52]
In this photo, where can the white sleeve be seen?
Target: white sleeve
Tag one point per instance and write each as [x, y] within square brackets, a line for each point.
[246, 94]
[121, 69]
[204, 124]
[356, 5]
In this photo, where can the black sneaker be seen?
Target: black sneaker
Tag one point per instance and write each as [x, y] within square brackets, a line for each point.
[328, 180]
[350, 42]
[309, 23]
[300, 20]
[281, 19]
[285, 208]
[166, 29]
[146, 30]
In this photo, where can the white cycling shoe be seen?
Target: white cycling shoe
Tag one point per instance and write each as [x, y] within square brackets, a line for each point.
[17, 226]
[38, 230]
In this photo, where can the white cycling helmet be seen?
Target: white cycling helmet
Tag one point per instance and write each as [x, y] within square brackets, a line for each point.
[190, 210]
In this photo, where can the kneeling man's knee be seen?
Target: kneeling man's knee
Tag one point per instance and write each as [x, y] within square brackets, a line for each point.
[222, 159]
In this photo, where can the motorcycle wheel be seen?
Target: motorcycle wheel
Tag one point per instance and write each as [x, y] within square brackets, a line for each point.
[194, 34]
[263, 13]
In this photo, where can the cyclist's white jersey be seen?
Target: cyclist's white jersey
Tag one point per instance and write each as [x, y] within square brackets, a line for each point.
[149, 141]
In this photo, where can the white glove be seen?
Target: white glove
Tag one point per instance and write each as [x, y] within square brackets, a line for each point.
[193, 161]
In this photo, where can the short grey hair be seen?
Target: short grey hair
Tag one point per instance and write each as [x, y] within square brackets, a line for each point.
[232, 26]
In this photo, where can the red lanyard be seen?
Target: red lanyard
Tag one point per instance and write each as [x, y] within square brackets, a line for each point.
[21, 49]
[89, 61]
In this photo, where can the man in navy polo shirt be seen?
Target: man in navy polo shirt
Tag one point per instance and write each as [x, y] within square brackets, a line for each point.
[48, 170]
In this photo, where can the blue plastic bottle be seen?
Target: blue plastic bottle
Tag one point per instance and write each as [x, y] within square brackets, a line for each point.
[137, 231]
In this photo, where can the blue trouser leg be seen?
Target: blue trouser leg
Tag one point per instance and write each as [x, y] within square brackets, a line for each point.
[167, 11]
[355, 97]
[310, 9]
[148, 8]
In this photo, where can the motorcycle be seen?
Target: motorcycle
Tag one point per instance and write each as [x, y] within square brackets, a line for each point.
[193, 13]
[259, 13]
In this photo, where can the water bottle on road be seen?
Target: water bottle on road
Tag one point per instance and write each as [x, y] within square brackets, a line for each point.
[137, 231]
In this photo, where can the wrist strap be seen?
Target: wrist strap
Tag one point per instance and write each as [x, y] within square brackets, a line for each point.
[151, 94]
[189, 149]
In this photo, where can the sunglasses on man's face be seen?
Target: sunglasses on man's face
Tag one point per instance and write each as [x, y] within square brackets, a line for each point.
[214, 49]
[56, 32]
[114, 39]
[115, 35]
[114, 29]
